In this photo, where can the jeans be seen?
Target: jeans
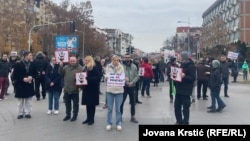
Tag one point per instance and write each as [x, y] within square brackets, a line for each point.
[182, 109]
[245, 75]
[145, 86]
[129, 91]
[215, 96]
[111, 99]
[53, 97]
[225, 81]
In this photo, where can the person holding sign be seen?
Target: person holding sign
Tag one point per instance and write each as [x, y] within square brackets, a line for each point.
[90, 92]
[172, 63]
[115, 78]
[71, 91]
[184, 89]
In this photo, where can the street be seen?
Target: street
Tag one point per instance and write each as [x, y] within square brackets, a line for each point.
[155, 110]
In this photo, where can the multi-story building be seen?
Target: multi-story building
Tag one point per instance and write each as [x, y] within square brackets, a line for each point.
[117, 41]
[226, 21]
[187, 38]
[17, 18]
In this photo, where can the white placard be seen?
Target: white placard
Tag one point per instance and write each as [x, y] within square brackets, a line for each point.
[116, 79]
[232, 55]
[176, 74]
[141, 71]
[62, 56]
[81, 78]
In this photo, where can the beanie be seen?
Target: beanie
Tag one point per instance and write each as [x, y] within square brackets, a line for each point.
[184, 55]
[215, 64]
[172, 59]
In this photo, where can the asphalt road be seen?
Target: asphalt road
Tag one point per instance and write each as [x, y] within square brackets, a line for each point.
[155, 110]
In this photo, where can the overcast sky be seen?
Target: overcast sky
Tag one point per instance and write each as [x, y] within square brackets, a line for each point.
[150, 22]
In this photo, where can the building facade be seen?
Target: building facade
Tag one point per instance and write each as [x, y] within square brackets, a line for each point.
[118, 41]
[225, 22]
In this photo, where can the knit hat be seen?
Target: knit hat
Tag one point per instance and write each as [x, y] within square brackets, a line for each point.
[215, 64]
[172, 59]
[184, 55]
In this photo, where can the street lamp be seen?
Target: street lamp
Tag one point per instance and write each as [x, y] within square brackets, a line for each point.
[188, 22]
[83, 39]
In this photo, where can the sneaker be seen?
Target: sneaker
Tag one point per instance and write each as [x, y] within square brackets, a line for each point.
[49, 112]
[108, 127]
[5, 98]
[56, 112]
[148, 96]
[1, 99]
[119, 128]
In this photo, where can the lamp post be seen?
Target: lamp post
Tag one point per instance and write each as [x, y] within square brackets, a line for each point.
[83, 39]
[187, 22]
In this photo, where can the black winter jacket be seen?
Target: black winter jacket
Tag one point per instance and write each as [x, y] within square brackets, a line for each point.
[186, 86]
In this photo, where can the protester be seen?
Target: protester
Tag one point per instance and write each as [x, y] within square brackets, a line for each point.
[157, 72]
[90, 92]
[215, 85]
[202, 78]
[114, 94]
[147, 77]
[41, 64]
[224, 67]
[131, 77]
[184, 90]
[5, 69]
[172, 63]
[71, 91]
[234, 71]
[53, 85]
[137, 62]
[23, 74]
[245, 70]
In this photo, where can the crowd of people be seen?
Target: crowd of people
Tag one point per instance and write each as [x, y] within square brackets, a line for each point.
[124, 76]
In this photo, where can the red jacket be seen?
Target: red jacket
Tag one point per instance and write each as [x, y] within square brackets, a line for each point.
[148, 72]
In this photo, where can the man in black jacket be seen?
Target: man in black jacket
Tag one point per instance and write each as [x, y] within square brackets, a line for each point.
[4, 73]
[41, 64]
[184, 90]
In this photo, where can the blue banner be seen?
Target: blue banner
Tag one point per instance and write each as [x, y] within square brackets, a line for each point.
[67, 42]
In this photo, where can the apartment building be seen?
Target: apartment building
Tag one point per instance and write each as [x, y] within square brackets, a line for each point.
[226, 21]
[118, 41]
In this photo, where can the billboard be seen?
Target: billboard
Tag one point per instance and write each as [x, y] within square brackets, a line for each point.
[67, 42]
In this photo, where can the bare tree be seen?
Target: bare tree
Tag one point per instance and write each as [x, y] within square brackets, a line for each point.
[214, 37]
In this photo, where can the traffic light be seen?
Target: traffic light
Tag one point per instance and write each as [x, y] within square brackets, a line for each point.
[31, 49]
[72, 26]
[132, 50]
[127, 50]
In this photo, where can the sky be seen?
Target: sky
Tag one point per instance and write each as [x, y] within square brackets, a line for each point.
[150, 22]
